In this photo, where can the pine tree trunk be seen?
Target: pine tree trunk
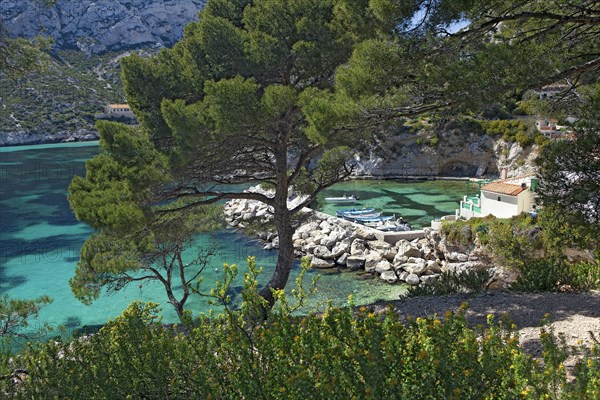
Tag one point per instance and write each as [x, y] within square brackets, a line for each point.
[283, 223]
[285, 256]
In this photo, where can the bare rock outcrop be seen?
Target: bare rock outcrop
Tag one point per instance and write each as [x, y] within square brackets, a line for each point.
[96, 26]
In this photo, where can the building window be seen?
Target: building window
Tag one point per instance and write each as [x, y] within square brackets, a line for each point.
[499, 198]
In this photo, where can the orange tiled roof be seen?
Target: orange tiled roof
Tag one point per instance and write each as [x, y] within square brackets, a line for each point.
[503, 188]
[119, 105]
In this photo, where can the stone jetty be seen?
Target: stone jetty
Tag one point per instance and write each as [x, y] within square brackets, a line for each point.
[414, 257]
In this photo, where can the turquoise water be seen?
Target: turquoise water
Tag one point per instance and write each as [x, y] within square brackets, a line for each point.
[40, 241]
[418, 202]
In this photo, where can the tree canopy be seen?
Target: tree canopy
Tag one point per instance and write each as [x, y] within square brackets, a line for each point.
[505, 49]
[276, 92]
[245, 97]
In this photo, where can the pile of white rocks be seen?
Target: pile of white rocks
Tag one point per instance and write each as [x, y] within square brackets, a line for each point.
[418, 257]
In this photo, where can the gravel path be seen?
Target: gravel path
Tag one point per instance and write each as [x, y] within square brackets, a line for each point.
[574, 314]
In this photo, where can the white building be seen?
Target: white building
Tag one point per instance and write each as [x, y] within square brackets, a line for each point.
[119, 110]
[502, 199]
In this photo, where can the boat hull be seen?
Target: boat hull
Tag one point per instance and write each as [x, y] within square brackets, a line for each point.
[341, 200]
[353, 212]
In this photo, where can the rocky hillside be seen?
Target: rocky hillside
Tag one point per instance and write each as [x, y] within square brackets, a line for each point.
[59, 104]
[455, 149]
[97, 26]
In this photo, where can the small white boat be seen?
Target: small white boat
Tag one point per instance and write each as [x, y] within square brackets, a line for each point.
[361, 216]
[398, 225]
[355, 212]
[374, 220]
[341, 200]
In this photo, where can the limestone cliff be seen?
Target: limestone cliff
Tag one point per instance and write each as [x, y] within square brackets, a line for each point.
[457, 153]
[101, 25]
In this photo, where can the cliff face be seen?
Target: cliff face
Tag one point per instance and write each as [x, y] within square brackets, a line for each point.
[458, 154]
[102, 25]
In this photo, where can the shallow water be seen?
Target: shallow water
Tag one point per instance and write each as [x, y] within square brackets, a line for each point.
[40, 238]
[418, 202]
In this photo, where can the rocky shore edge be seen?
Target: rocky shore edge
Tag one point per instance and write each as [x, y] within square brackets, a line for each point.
[417, 257]
[26, 138]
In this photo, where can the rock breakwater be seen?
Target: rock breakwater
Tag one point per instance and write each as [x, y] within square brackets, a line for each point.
[417, 257]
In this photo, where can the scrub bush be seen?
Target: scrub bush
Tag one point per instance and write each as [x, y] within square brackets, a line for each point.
[343, 353]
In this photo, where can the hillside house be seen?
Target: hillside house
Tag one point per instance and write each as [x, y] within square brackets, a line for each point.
[502, 199]
[547, 126]
[119, 110]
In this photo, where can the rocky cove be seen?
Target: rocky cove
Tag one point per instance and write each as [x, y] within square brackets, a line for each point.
[417, 257]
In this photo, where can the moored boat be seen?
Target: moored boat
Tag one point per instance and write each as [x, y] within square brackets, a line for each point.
[374, 220]
[398, 225]
[355, 211]
[362, 216]
[341, 200]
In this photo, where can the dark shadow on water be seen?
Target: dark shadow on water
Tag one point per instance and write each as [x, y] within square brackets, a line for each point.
[50, 249]
[8, 283]
[72, 322]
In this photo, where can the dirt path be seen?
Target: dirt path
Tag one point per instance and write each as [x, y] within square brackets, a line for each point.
[577, 315]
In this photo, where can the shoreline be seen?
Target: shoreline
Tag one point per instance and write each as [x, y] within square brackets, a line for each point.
[15, 139]
[91, 136]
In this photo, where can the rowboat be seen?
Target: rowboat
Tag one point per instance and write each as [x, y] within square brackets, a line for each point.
[374, 220]
[341, 200]
[398, 225]
[360, 217]
[355, 212]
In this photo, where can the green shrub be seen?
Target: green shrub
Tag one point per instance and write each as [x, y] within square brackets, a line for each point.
[546, 274]
[510, 130]
[464, 232]
[434, 141]
[585, 275]
[338, 354]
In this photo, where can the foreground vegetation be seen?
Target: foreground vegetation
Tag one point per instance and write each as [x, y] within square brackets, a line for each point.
[540, 250]
[340, 354]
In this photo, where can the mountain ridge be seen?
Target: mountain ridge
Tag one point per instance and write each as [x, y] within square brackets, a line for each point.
[96, 27]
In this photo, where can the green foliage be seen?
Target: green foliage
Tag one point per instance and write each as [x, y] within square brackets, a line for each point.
[535, 249]
[569, 170]
[341, 353]
[15, 315]
[434, 141]
[546, 274]
[585, 275]
[464, 232]
[245, 97]
[562, 230]
[554, 274]
[512, 245]
[509, 130]
[136, 239]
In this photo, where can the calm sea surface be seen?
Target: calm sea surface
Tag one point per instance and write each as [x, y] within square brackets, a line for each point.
[40, 237]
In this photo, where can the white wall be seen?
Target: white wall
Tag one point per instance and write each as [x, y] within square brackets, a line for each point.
[525, 201]
[505, 208]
